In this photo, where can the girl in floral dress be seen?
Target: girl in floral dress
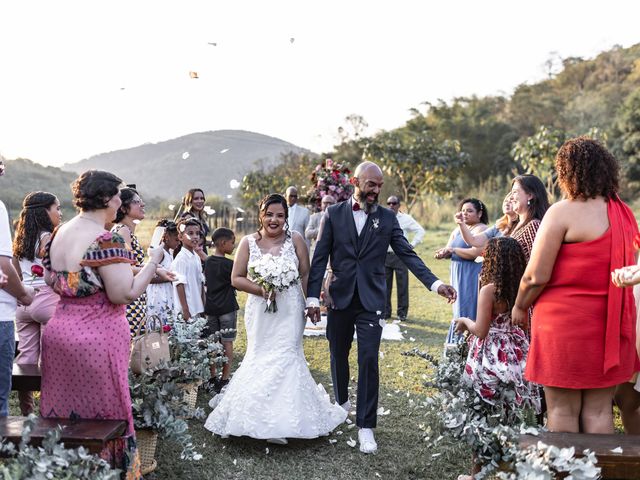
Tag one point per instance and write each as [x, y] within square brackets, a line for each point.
[497, 349]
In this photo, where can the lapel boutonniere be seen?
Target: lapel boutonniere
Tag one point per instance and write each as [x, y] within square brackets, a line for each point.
[375, 223]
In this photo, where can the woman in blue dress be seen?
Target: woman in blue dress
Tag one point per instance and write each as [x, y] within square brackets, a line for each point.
[464, 268]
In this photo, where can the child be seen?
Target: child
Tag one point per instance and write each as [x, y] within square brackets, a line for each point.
[188, 288]
[498, 350]
[159, 291]
[221, 306]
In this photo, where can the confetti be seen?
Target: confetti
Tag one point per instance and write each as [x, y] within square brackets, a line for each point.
[239, 209]
[381, 353]
[291, 40]
[411, 339]
[617, 450]
[382, 411]
[267, 450]
[339, 432]
[240, 219]
[229, 196]
[136, 221]
[185, 155]
[401, 374]
[225, 150]
[213, 44]
[332, 441]
[434, 455]
[197, 456]
[377, 474]
[351, 442]
[235, 462]
[172, 207]
[349, 422]
[234, 184]
[193, 75]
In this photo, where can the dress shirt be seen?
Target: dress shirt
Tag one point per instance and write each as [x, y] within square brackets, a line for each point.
[359, 216]
[409, 225]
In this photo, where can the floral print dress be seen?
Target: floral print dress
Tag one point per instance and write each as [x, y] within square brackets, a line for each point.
[500, 359]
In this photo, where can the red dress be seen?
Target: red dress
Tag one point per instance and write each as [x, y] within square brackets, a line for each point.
[583, 327]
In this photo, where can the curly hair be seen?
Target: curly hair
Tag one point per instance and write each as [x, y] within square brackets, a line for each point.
[480, 207]
[586, 169]
[503, 265]
[168, 225]
[93, 189]
[127, 195]
[33, 221]
[265, 203]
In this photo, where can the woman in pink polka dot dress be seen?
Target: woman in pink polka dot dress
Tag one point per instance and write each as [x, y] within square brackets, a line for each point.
[85, 347]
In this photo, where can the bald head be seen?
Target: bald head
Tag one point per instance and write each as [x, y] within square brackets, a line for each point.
[291, 195]
[367, 167]
[368, 182]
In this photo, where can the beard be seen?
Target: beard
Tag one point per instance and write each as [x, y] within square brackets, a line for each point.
[367, 207]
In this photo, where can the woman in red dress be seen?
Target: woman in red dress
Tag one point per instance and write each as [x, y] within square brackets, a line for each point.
[583, 327]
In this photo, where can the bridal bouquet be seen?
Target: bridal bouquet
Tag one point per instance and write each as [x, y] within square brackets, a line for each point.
[274, 274]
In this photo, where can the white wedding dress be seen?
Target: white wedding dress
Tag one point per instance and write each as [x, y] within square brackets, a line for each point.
[272, 394]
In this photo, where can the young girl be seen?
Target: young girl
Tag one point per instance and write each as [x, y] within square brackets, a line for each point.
[40, 215]
[188, 291]
[498, 350]
[160, 291]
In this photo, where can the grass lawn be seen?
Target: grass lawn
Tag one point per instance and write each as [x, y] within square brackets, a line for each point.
[402, 453]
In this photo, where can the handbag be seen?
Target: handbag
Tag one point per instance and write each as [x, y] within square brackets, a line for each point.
[148, 350]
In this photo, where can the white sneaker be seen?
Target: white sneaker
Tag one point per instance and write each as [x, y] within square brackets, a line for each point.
[367, 441]
[346, 406]
[278, 441]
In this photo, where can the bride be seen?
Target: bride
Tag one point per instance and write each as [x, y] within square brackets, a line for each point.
[273, 395]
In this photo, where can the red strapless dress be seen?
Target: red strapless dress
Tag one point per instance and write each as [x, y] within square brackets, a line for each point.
[570, 339]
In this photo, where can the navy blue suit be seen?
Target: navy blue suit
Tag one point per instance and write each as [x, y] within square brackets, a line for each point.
[358, 291]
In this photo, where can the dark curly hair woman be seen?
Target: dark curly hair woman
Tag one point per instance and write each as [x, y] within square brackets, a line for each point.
[578, 309]
[40, 215]
[498, 349]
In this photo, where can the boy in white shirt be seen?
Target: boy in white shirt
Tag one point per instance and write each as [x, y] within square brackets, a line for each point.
[188, 288]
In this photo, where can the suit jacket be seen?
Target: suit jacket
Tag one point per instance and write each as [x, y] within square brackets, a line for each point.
[359, 260]
[299, 219]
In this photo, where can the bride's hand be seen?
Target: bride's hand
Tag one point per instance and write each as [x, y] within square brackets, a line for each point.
[268, 295]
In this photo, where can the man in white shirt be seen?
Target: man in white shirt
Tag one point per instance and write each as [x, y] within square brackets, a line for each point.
[393, 264]
[10, 294]
[298, 215]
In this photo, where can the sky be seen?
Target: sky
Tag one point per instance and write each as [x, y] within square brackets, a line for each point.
[78, 78]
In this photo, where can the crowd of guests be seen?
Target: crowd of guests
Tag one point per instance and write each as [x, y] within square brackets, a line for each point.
[552, 312]
[57, 279]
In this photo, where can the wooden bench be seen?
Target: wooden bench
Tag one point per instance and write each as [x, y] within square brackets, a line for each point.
[26, 378]
[624, 465]
[90, 434]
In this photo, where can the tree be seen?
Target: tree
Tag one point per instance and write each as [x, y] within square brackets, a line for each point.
[419, 163]
[537, 154]
[628, 145]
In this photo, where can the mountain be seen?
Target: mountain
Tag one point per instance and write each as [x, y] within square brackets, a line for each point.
[207, 160]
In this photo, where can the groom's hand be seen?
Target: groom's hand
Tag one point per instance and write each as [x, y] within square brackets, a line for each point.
[448, 292]
[313, 313]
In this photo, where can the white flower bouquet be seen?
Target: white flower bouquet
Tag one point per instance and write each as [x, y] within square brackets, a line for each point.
[274, 274]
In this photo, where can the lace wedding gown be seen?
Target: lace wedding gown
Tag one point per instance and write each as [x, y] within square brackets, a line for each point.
[272, 394]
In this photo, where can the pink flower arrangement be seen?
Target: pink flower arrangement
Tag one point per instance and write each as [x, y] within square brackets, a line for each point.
[330, 178]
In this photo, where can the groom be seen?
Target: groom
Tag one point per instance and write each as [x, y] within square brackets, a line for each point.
[356, 235]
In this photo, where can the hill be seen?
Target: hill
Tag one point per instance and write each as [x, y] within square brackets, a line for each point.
[23, 176]
[208, 160]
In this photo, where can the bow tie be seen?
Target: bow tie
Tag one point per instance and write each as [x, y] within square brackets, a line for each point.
[356, 207]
